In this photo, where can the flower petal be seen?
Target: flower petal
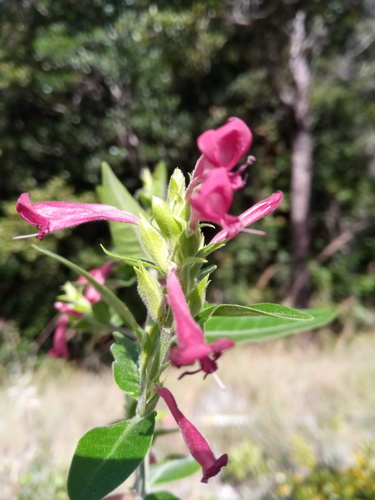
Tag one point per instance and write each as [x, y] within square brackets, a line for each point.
[251, 215]
[49, 216]
[60, 345]
[225, 146]
[197, 444]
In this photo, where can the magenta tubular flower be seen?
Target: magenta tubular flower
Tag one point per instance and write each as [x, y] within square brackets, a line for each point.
[213, 199]
[191, 345]
[60, 345]
[100, 274]
[225, 146]
[197, 444]
[49, 216]
[251, 215]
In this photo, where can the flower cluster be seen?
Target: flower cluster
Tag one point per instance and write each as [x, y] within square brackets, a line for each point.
[173, 240]
[67, 310]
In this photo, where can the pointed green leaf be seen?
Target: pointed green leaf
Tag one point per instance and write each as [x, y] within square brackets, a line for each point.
[112, 192]
[125, 367]
[106, 456]
[274, 310]
[206, 271]
[159, 177]
[255, 329]
[105, 292]
[212, 247]
[171, 470]
[154, 244]
[130, 260]
[197, 296]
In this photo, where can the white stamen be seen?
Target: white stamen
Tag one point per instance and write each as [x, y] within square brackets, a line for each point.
[254, 231]
[219, 382]
[24, 236]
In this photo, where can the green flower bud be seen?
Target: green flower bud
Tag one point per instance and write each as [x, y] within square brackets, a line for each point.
[154, 244]
[151, 293]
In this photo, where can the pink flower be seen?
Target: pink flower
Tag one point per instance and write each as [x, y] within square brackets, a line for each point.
[225, 146]
[210, 191]
[60, 345]
[49, 216]
[197, 444]
[66, 308]
[91, 294]
[251, 215]
[191, 345]
[213, 199]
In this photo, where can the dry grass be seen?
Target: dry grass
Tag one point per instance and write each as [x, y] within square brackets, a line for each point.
[276, 392]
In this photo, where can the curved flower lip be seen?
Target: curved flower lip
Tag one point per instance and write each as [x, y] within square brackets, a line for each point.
[197, 444]
[251, 215]
[213, 199]
[225, 146]
[49, 216]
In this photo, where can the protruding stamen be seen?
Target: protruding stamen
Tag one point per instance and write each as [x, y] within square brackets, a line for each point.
[219, 381]
[253, 231]
[24, 236]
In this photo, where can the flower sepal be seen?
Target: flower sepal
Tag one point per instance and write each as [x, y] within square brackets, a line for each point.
[176, 193]
[154, 244]
[170, 225]
[151, 293]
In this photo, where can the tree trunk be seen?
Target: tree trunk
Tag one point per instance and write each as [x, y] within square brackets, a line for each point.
[301, 174]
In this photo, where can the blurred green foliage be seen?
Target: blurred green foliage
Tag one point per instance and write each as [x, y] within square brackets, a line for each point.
[134, 82]
[304, 477]
[329, 483]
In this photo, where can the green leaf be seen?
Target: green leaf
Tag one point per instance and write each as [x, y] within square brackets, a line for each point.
[161, 495]
[197, 296]
[130, 260]
[105, 292]
[112, 192]
[171, 470]
[125, 367]
[255, 329]
[106, 456]
[212, 247]
[159, 177]
[101, 312]
[154, 184]
[274, 310]
[206, 271]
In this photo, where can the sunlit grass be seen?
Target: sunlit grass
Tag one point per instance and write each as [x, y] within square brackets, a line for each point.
[286, 406]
